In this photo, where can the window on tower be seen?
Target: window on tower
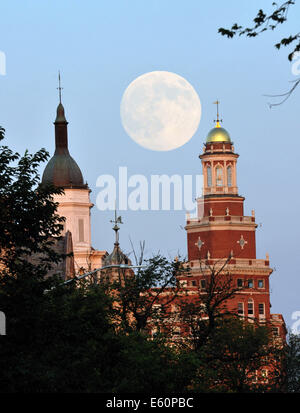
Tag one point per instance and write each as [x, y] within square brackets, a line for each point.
[80, 230]
[219, 176]
[209, 180]
[229, 176]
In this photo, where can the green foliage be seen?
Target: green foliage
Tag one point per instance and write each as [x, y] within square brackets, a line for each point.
[150, 366]
[233, 356]
[139, 292]
[28, 216]
[293, 364]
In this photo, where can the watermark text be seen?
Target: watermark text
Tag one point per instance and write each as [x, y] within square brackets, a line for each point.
[157, 192]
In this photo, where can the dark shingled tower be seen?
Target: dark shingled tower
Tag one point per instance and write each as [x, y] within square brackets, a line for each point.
[62, 170]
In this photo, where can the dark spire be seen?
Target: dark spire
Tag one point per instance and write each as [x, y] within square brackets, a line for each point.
[62, 170]
[61, 128]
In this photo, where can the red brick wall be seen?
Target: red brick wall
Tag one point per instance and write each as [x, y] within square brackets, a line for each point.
[220, 243]
[219, 205]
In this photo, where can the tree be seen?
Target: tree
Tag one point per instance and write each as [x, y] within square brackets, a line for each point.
[270, 21]
[209, 303]
[143, 296]
[238, 357]
[28, 223]
[28, 219]
[293, 364]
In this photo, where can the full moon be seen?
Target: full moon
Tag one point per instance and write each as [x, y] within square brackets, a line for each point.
[160, 111]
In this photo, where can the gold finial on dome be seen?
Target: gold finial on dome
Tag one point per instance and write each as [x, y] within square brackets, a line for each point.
[217, 102]
[218, 134]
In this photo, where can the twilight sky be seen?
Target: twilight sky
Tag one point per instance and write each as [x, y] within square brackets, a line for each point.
[100, 48]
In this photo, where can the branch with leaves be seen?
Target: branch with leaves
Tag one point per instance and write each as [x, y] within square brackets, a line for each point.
[266, 22]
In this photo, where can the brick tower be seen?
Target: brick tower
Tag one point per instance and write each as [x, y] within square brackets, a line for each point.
[222, 232]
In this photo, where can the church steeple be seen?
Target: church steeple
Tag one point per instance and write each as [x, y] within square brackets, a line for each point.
[62, 170]
[61, 130]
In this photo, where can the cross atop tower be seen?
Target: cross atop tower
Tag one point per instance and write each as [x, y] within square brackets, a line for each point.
[59, 87]
[217, 102]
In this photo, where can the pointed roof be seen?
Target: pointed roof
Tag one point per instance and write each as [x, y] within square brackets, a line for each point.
[117, 257]
[62, 170]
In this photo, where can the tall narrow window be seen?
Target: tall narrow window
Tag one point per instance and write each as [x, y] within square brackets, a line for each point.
[208, 171]
[250, 307]
[261, 308]
[80, 230]
[219, 176]
[229, 176]
[240, 308]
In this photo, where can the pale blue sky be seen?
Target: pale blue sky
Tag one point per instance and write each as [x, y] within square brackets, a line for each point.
[100, 47]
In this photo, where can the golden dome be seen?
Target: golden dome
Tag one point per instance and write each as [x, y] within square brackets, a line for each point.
[218, 134]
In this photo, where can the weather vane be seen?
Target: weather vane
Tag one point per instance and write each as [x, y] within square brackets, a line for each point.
[116, 221]
[217, 102]
[59, 87]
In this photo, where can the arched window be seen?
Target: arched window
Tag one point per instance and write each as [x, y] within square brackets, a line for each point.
[219, 176]
[208, 171]
[229, 176]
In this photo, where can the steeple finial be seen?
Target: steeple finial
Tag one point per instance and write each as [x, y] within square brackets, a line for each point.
[59, 87]
[217, 102]
[60, 116]
[116, 221]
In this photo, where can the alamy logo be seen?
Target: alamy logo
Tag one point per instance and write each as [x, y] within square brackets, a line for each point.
[2, 324]
[138, 192]
[2, 63]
